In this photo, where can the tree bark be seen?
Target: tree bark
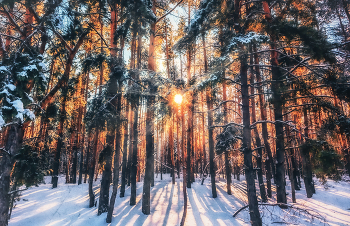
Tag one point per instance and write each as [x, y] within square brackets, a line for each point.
[133, 170]
[13, 143]
[246, 146]
[276, 87]
[60, 136]
[116, 162]
[270, 169]
[92, 170]
[106, 175]
[146, 195]
[257, 137]
[305, 156]
[210, 123]
[183, 167]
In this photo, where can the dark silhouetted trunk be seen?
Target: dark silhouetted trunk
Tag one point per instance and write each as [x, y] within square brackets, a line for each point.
[59, 146]
[92, 170]
[305, 156]
[269, 166]
[146, 195]
[125, 156]
[13, 143]
[246, 146]
[257, 137]
[210, 129]
[106, 175]
[133, 170]
[116, 162]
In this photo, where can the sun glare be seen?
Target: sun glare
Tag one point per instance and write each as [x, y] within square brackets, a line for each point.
[178, 98]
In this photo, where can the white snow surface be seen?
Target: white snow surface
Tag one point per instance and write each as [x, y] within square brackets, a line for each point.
[68, 205]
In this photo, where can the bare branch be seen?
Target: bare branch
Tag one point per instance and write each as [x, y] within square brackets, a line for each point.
[162, 17]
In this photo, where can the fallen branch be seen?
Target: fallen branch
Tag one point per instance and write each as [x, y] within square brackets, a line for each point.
[262, 204]
[286, 206]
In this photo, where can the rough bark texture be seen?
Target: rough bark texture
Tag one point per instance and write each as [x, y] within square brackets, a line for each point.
[133, 167]
[13, 143]
[92, 170]
[246, 145]
[305, 156]
[280, 180]
[146, 195]
[116, 165]
[210, 129]
[270, 169]
[257, 138]
[106, 176]
[125, 156]
[183, 168]
[60, 136]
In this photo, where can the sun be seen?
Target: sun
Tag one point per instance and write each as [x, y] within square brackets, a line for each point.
[178, 98]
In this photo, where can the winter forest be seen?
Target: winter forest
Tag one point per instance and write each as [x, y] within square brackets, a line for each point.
[174, 112]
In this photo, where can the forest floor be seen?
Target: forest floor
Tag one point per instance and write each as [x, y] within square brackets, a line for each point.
[68, 205]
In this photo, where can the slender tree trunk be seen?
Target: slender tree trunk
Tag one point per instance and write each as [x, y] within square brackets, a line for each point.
[280, 180]
[289, 162]
[224, 98]
[276, 87]
[106, 174]
[190, 110]
[146, 195]
[133, 170]
[92, 170]
[125, 149]
[13, 143]
[246, 145]
[183, 219]
[116, 161]
[204, 168]
[210, 123]
[87, 161]
[131, 135]
[60, 137]
[257, 137]
[305, 156]
[269, 161]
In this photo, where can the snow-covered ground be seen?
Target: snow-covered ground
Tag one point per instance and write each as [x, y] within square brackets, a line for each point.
[68, 205]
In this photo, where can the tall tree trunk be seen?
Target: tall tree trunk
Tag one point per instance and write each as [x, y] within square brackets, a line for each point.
[92, 170]
[289, 162]
[146, 195]
[133, 170]
[81, 127]
[210, 124]
[106, 174]
[224, 98]
[60, 137]
[204, 168]
[13, 143]
[280, 179]
[116, 160]
[131, 136]
[183, 167]
[276, 87]
[125, 156]
[305, 156]
[190, 109]
[257, 137]
[87, 161]
[171, 146]
[246, 146]
[270, 169]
